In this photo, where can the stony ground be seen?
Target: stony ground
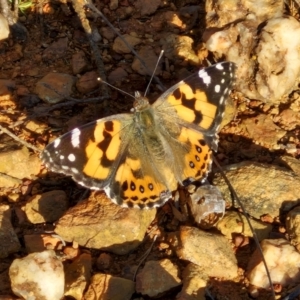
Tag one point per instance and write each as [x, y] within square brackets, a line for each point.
[57, 62]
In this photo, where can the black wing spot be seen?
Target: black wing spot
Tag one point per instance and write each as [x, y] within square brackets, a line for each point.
[199, 149]
[177, 94]
[197, 157]
[142, 190]
[109, 126]
[150, 186]
[192, 165]
[202, 142]
[132, 186]
[125, 185]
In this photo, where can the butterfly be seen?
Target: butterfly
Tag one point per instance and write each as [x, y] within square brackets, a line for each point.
[139, 158]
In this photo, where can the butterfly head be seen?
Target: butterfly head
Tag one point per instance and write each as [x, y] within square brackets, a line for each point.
[140, 103]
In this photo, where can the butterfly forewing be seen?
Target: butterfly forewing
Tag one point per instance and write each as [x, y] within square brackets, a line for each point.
[90, 153]
[200, 98]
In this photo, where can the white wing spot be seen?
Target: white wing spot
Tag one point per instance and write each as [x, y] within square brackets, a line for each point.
[62, 157]
[75, 138]
[206, 78]
[74, 170]
[219, 66]
[71, 157]
[217, 88]
[223, 80]
[56, 143]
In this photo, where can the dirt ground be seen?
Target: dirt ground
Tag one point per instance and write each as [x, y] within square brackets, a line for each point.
[25, 61]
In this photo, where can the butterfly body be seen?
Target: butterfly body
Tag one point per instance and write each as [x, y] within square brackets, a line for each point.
[139, 158]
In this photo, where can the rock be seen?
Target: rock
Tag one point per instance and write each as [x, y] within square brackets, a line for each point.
[157, 277]
[278, 58]
[104, 261]
[147, 7]
[46, 207]
[18, 164]
[234, 223]
[79, 62]
[78, 275]
[88, 82]
[55, 87]
[206, 250]
[98, 223]
[262, 129]
[275, 52]
[107, 287]
[41, 242]
[288, 119]
[179, 47]
[207, 205]
[117, 75]
[120, 47]
[150, 59]
[194, 283]
[282, 260]
[113, 5]
[56, 50]
[292, 224]
[9, 242]
[38, 276]
[107, 33]
[4, 28]
[262, 188]
[5, 286]
[291, 162]
[7, 87]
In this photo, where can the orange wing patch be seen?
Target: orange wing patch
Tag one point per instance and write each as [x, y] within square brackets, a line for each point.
[198, 159]
[102, 149]
[193, 106]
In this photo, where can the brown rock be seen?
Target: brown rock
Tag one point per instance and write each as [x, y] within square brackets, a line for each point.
[262, 188]
[77, 276]
[88, 82]
[98, 223]
[147, 7]
[106, 287]
[263, 130]
[9, 242]
[194, 283]
[157, 277]
[56, 50]
[234, 223]
[46, 207]
[79, 62]
[54, 87]
[41, 242]
[149, 58]
[117, 75]
[104, 261]
[207, 250]
[121, 48]
[17, 164]
[293, 225]
[107, 33]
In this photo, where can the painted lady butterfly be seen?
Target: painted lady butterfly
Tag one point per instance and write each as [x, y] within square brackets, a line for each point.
[139, 158]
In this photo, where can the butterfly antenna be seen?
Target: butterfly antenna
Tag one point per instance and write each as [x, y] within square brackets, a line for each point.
[158, 60]
[114, 87]
[237, 199]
